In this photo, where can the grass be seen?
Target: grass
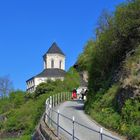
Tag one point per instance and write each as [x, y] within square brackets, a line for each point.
[25, 117]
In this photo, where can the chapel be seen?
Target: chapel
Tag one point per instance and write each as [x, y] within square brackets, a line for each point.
[54, 68]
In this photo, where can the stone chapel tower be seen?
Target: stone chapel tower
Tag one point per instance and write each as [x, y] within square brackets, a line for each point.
[54, 58]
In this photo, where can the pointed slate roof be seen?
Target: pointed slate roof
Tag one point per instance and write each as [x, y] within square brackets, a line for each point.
[55, 49]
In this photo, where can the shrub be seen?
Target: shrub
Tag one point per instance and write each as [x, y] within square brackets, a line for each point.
[17, 98]
[72, 80]
[134, 132]
[131, 111]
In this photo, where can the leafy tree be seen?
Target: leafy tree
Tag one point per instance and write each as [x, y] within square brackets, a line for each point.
[42, 89]
[72, 79]
[84, 58]
[117, 35]
[104, 22]
[17, 98]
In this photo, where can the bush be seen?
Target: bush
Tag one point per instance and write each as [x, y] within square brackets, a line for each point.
[17, 98]
[27, 116]
[72, 79]
[103, 110]
[131, 111]
[134, 132]
[5, 105]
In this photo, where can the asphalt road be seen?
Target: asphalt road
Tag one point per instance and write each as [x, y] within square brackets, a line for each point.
[75, 108]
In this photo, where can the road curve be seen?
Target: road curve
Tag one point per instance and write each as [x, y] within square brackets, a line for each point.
[75, 108]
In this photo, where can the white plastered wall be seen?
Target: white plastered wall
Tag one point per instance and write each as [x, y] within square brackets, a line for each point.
[57, 58]
[33, 83]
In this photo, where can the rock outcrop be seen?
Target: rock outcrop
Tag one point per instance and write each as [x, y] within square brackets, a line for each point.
[128, 75]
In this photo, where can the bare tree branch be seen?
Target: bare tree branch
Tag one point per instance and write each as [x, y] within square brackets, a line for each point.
[6, 86]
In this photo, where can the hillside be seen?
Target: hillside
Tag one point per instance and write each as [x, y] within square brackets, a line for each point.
[20, 112]
[113, 64]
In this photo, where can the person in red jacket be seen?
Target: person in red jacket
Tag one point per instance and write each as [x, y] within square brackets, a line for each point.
[74, 94]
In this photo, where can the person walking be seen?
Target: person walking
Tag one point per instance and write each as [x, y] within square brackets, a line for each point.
[83, 94]
[74, 94]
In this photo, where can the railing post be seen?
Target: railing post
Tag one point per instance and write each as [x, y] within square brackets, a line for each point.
[46, 106]
[61, 97]
[58, 98]
[69, 96]
[66, 96]
[73, 121]
[51, 101]
[47, 110]
[101, 133]
[54, 100]
[58, 123]
[50, 107]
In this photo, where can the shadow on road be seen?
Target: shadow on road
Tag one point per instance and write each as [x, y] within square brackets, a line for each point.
[78, 106]
[78, 101]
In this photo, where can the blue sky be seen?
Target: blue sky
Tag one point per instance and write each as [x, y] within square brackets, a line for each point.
[29, 27]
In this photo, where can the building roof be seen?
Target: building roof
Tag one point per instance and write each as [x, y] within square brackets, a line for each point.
[29, 79]
[55, 49]
[52, 73]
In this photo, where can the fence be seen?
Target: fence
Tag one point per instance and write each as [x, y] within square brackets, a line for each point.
[52, 119]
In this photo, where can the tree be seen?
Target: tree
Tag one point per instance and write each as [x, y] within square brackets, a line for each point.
[46, 87]
[84, 58]
[6, 86]
[17, 98]
[104, 22]
[72, 79]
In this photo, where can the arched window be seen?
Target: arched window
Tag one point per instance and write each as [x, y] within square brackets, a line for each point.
[60, 63]
[52, 63]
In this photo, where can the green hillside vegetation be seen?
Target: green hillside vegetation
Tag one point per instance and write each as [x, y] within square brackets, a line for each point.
[22, 111]
[113, 63]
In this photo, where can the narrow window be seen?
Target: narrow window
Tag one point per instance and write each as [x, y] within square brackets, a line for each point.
[45, 66]
[60, 63]
[52, 63]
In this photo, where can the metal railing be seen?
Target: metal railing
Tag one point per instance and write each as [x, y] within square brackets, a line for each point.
[54, 122]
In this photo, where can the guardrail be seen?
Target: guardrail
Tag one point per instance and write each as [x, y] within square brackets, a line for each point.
[55, 122]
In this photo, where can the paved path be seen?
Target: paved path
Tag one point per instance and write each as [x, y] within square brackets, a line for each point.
[75, 108]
